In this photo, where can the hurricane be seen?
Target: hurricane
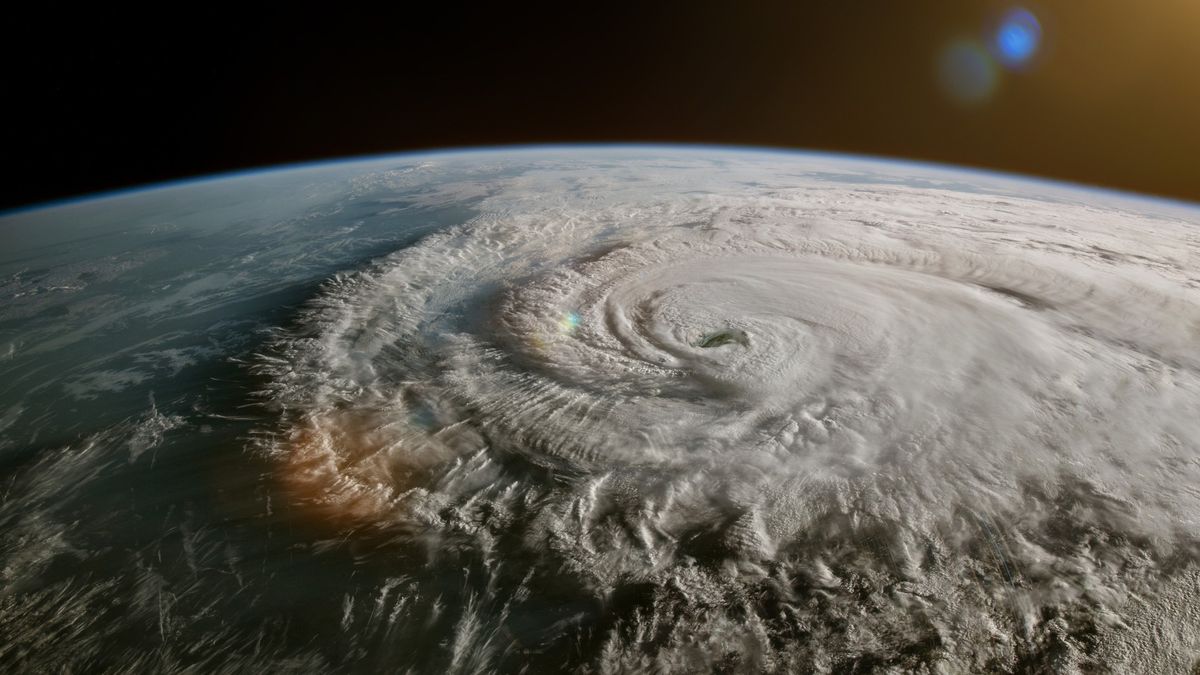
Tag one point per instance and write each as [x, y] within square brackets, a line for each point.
[745, 408]
[715, 416]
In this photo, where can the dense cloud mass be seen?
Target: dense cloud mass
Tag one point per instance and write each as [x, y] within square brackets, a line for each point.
[771, 427]
[632, 410]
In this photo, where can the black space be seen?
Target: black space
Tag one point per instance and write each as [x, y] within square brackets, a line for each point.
[99, 99]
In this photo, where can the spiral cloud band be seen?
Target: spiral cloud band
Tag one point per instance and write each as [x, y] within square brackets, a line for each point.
[728, 416]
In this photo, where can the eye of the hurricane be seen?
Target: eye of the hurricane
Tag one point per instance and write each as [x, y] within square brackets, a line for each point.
[724, 337]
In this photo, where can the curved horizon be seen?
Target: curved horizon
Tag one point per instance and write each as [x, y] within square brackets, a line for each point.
[199, 179]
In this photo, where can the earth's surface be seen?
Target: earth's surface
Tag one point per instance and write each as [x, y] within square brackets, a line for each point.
[601, 410]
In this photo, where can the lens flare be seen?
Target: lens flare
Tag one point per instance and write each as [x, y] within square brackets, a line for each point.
[967, 72]
[1016, 39]
[569, 322]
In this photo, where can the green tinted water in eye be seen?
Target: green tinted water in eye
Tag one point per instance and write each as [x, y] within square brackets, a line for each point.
[723, 338]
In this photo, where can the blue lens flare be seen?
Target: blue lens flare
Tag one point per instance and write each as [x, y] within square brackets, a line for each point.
[1016, 38]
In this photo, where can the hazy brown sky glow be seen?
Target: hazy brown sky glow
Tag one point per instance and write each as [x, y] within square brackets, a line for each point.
[1112, 96]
